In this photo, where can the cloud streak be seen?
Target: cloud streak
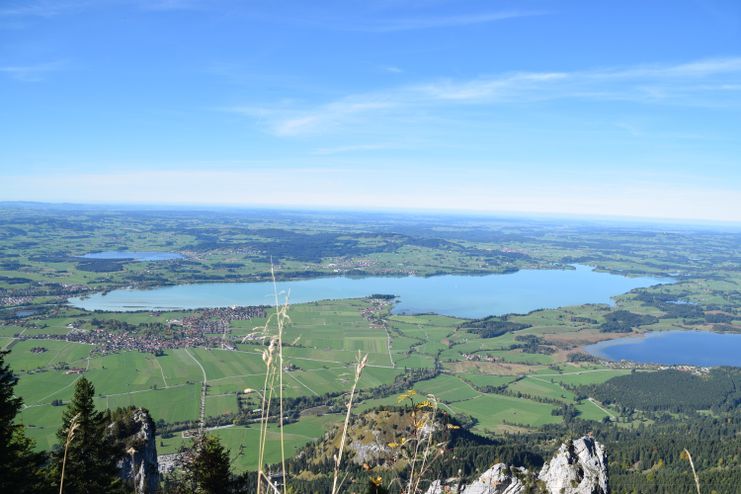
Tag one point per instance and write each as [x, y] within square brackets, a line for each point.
[47, 8]
[645, 83]
[436, 22]
[353, 148]
[54, 8]
[329, 116]
[32, 72]
[713, 83]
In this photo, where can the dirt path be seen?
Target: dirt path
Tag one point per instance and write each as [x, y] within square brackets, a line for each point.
[162, 371]
[202, 421]
[388, 339]
[597, 404]
[301, 383]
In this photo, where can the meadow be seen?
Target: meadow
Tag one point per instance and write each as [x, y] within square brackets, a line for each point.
[325, 338]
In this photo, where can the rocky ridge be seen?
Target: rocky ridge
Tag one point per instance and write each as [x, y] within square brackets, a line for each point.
[579, 467]
[138, 468]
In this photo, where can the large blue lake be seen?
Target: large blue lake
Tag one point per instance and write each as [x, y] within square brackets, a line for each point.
[135, 255]
[454, 295]
[674, 347]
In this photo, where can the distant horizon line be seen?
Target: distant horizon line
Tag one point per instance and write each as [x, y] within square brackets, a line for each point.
[644, 220]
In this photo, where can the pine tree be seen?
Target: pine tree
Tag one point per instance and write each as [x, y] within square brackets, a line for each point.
[19, 465]
[211, 466]
[202, 469]
[93, 453]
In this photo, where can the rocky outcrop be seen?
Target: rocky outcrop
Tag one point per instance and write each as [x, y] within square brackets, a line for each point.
[499, 479]
[579, 467]
[138, 467]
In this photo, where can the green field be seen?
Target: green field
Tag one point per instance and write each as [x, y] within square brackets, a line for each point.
[536, 386]
[493, 411]
[487, 380]
[171, 405]
[325, 338]
[590, 376]
[243, 441]
[55, 352]
[448, 389]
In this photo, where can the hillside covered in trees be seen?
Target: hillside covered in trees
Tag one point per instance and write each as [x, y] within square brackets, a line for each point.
[673, 390]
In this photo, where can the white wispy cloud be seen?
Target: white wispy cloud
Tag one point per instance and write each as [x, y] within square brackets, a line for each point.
[328, 116]
[643, 82]
[32, 72]
[166, 5]
[500, 88]
[714, 82]
[391, 69]
[699, 68]
[327, 151]
[53, 8]
[47, 8]
[434, 22]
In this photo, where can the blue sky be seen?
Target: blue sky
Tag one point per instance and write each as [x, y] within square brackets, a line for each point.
[625, 108]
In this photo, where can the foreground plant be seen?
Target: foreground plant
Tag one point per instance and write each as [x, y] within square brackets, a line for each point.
[91, 453]
[73, 426]
[418, 448]
[359, 366]
[687, 456]
[273, 359]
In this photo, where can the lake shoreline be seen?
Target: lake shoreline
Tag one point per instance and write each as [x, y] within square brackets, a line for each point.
[465, 296]
[698, 354]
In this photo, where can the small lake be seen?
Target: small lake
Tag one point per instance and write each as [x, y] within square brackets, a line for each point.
[700, 348]
[135, 255]
[26, 313]
[454, 295]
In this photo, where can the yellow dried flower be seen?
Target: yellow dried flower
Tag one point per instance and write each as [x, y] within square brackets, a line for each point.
[406, 395]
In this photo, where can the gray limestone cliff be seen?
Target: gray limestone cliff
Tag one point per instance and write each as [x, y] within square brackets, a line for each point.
[138, 467]
[579, 467]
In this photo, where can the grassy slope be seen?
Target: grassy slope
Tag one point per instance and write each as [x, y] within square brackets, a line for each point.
[331, 332]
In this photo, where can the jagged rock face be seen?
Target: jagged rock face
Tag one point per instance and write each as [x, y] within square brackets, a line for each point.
[139, 466]
[368, 453]
[579, 467]
[499, 479]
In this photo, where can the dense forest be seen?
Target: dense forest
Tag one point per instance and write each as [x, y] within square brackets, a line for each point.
[623, 321]
[492, 326]
[672, 390]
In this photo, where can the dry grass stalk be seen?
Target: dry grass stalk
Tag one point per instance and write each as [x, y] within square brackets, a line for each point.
[686, 454]
[273, 359]
[282, 318]
[418, 449]
[338, 457]
[429, 418]
[266, 395]
[73, 426]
